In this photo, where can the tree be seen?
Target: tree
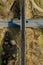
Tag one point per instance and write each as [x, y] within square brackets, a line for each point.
[9, 50]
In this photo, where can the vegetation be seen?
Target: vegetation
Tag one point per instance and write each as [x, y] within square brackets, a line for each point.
[15, 32]
[34, 49]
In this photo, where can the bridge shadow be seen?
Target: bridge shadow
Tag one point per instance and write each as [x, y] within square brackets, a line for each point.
[12, 24]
